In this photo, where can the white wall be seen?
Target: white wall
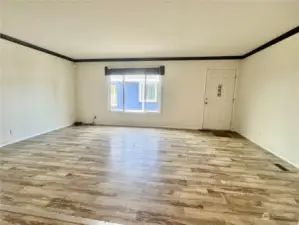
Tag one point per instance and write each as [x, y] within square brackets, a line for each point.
[267, 108]
[182, 94]
[36, 92]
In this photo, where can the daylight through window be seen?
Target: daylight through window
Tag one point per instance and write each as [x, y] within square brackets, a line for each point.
[135, 93]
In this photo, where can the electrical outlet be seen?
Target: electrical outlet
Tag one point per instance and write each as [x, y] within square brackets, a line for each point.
[94, 120]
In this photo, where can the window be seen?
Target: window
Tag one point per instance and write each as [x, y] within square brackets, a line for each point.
[151, 92]
[113, 95]
[135, 93]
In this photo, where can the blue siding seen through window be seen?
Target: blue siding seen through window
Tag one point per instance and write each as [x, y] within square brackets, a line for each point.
[128, 96]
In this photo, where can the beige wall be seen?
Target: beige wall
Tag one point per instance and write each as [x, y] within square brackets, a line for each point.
[267, 108]
[182, 94]
[37, 95]
[36, 92]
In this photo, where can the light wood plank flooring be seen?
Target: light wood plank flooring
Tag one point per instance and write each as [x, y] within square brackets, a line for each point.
[85, 175]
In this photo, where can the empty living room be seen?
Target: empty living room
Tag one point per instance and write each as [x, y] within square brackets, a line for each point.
[149, 112]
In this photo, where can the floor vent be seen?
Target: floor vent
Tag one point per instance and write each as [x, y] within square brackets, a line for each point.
[281, 167]
[219, 133]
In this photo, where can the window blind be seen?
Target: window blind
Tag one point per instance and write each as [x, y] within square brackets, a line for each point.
[135, 71]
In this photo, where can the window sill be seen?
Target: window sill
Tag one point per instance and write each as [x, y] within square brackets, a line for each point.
[135, 112]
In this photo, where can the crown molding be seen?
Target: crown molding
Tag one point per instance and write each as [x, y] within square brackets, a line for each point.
[29, 45]
[193, 58]
[273, 42]
[159, 59]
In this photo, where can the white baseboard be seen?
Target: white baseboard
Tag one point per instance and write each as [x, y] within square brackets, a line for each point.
[34, 135]
[267, 149]
[169, 127]
[148, 126]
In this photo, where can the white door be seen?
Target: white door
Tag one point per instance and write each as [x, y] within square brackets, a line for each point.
[219, 97]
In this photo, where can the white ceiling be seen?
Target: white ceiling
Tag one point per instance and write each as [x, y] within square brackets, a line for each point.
[148, 28]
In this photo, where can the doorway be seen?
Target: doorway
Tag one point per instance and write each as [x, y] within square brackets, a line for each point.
[219, 99]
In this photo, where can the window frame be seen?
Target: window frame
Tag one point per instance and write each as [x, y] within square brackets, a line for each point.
[143, 111]
[142, 92]
[113, 103]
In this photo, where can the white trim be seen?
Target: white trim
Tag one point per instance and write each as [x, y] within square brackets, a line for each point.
[156, 80]
[34, 135]
[234, 97]
[140, 111]
[204, 99]
[232, 124]
[141, 90]
[233, 104]
[153, 126]
[115, 110]
[135, 111]
[113, 101]
[274, 153]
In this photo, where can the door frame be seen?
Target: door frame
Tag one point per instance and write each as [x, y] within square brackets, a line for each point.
[234, 95]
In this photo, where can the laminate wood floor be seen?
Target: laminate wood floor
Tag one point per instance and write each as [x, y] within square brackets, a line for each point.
[87, 175]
